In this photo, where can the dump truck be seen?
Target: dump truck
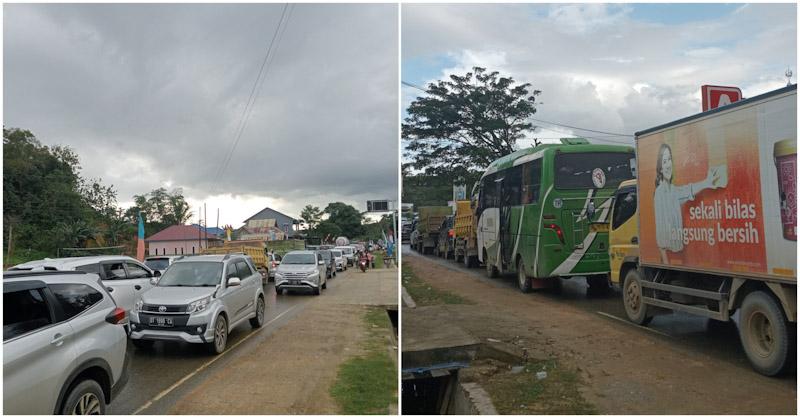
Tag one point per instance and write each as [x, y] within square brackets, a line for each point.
[709, 226]
[466, 244]
[425, 236]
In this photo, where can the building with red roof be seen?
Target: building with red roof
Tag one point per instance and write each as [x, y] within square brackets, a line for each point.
[180, 240]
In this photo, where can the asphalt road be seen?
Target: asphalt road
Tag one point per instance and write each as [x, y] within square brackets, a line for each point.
[714, 338]
[158, 376]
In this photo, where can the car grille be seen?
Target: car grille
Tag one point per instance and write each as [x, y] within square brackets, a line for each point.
[170, 308]
[294, 275]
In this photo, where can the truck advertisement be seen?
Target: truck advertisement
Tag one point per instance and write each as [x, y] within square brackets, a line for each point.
[718, 193]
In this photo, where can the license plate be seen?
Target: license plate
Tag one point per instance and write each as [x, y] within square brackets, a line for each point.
[161, 321]
[598, 227]
[294, 281]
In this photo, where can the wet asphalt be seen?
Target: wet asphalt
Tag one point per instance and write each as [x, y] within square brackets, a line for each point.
[161, 375]
[719, 340]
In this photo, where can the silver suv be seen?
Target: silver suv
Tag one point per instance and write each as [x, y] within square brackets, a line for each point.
[200, 299]
[64, 345]
[301, 270]
[124, 277]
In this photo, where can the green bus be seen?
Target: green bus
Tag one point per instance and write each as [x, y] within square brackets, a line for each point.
[543, 211]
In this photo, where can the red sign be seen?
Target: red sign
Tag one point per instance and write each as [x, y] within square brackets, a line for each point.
[717, 96]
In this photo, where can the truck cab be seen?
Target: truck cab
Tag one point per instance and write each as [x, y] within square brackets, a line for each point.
[623, 234]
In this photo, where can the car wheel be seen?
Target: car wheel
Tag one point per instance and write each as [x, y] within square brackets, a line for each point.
[86, 398]
[491, 271]
[143, 344]
[325, 285]
[259, 318]
[220, 336]
[316, 291]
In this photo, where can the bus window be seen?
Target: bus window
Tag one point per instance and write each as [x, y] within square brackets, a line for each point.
[624, 207]
[574, 170]
[531, 181]
[512, 186]
[488, 192]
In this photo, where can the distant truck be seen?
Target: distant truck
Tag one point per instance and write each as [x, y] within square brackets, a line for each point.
[709, 226]
[256, 249]
[425, 236]
[466, 241]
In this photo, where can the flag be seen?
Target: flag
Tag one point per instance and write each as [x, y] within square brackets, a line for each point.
[140, 243]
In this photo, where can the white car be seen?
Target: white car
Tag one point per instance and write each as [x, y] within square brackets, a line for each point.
[124, 277]
[160, 263]
[349, 254]
[341, 261]
[64, 344]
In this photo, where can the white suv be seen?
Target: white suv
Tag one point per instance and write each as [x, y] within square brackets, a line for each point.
[124, 277]
[302, 270]
[64, 344]
[199, 300]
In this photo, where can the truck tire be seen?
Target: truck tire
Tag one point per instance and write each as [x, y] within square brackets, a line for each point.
[491, 271]
[635, 308]
[523, 281]
[764, 333]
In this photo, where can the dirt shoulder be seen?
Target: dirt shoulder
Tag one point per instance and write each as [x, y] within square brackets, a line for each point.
[622, 370]
[292, 371]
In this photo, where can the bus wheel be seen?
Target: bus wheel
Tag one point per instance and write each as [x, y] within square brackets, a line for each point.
[523, 281]
[491, 271]
[764, 333]
[635, 308]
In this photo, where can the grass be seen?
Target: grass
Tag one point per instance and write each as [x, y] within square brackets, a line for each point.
[523, 393]
[367, 384]
[426, 295]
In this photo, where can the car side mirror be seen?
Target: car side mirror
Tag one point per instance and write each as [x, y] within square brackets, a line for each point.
[157, 273]
[154, 281]
[234, 281]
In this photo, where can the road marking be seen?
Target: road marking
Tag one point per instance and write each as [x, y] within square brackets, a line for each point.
[635, 325]
[183, 380]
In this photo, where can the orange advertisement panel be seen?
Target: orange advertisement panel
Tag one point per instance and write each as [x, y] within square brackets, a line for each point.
[711, 195]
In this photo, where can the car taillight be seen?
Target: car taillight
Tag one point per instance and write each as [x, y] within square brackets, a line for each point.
[557, 230]
[117, 316]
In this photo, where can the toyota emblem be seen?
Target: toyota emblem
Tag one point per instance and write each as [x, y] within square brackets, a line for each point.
[162, 308]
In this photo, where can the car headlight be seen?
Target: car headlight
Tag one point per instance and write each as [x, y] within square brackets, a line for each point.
[137, 307]
[198, 305]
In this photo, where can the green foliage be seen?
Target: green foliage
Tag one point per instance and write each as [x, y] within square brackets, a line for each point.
[465, 123]
[159, 209]
[327, 229]
[346, 217]
[44, 197]
[311, 215]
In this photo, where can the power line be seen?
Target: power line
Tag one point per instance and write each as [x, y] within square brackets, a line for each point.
[547, 122]
[250, 101]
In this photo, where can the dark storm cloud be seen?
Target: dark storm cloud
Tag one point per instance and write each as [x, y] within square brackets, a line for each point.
[150, 94]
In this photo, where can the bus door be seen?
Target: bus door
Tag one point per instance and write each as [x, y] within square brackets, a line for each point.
[510, 198]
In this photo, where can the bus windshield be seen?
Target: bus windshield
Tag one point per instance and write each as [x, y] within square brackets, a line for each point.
[579, 170]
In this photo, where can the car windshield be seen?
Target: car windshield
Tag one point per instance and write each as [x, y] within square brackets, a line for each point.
[347, 250]
[192, 274]
[299, 259]
[157, 263]
[336, 253]
[326, 255]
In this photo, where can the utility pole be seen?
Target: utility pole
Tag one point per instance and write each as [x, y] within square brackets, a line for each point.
[199, 232]
[205, 222]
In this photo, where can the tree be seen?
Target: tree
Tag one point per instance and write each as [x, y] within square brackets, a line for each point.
[160, 208]
[311, 215]
[346, 217]
[467, 122]
[328, 229]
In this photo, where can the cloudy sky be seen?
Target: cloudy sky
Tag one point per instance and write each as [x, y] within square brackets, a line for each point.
[152, 95]
[613, 68]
